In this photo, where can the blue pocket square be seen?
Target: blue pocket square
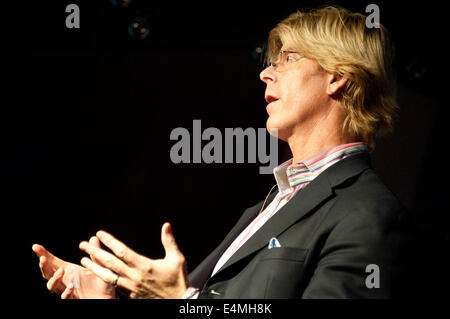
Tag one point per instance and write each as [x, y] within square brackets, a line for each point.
[273, 243]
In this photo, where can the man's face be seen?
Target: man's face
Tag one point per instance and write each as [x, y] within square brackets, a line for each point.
[296, 96]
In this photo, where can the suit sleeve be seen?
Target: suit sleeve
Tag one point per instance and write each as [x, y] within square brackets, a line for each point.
[365, 255]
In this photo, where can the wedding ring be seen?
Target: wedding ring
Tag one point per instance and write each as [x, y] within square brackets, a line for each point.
[114, 283]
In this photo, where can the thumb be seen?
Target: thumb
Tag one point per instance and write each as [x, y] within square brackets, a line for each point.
[168, 240]
[53, 261]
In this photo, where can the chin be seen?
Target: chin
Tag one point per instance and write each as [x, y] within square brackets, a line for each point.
[280, 134]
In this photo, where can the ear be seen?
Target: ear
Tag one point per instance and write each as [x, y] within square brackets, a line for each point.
[335, 83]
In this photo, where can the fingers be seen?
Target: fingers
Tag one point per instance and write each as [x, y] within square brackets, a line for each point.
[38, 249]
[119, 248]
[41, 251]
[106, 275]
[168, 241]
[67, 293]
[55, 284]
[106, 259]
[96, 243]
[46, 269]
[42, 262]
[52, 263]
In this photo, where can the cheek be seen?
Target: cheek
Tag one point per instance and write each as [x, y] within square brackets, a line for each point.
[296, 92]
[304, 91]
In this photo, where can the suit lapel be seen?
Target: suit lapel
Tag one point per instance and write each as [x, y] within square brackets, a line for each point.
[318, 191]
[295, 209]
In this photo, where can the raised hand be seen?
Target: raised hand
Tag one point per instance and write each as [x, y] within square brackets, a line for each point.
[141, 276]
[69, 280]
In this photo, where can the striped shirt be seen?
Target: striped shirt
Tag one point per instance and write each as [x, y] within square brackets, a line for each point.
[290, 179]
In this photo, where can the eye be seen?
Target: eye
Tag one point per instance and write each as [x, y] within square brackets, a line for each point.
[290, 59]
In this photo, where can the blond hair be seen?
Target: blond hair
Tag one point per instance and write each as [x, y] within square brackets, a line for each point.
[341, 43]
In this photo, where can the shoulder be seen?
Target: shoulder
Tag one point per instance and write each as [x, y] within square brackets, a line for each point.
[368, 198]
[369, 216]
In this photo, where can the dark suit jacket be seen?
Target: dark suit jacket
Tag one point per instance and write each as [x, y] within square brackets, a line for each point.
[343, 221]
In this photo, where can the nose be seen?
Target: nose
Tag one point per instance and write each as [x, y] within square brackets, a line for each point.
[267, 75]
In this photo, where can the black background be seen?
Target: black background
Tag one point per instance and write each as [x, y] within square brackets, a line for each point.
[86, 116]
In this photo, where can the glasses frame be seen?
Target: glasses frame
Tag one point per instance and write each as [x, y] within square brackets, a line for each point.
[283, 54]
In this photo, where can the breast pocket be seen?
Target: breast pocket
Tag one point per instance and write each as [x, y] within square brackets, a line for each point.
[282, 269]
[284, 253]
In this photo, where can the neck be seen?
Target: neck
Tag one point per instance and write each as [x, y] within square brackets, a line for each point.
[305, 148]
[321, 137]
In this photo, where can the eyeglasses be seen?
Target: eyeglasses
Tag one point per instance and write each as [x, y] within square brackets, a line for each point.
[285, 58]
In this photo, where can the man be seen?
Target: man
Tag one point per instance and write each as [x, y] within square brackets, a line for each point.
[333, 230]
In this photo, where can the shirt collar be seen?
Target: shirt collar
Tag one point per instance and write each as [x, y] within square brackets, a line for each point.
[289, 175]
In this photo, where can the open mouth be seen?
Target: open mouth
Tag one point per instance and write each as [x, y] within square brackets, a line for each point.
[270, 99]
